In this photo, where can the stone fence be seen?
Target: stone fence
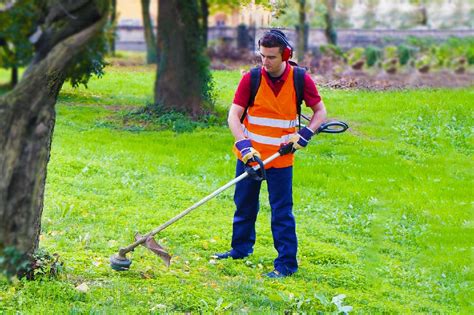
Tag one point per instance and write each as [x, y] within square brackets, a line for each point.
[131, 37]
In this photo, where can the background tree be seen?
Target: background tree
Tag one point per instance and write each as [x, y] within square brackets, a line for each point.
[422, 12]
[370, 16]
[330, 30]
[150, 38]
[15, 28]
[342, 12]
[69, 46]
[204, 5]
[302, 31]
[113, 26]
[183, 81]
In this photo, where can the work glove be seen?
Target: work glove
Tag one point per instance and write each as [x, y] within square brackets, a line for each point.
[301, 138]
[246, 150]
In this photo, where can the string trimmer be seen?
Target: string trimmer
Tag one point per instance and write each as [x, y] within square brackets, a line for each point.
[120, 262]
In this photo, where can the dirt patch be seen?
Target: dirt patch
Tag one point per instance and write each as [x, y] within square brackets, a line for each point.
[330, 75]
[385, 81]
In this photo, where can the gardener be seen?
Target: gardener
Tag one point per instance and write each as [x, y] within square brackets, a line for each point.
[270, 121]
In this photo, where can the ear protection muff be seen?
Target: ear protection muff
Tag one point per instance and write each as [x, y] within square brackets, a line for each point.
[287, 52]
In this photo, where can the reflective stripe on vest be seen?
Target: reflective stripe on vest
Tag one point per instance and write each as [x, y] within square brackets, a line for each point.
[264, 139]
[272, 119]
[270, 122]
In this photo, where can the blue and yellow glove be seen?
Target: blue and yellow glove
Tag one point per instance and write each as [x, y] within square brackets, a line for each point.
[301, 138]
[246, 150]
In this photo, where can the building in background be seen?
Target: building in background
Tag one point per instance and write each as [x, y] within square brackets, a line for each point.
[251, 15]
[364, 22]
[130, 14]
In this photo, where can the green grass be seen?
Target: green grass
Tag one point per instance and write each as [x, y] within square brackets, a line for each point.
[384, 211]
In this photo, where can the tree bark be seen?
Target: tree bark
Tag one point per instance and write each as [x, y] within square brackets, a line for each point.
[27, 118]
[330, 31]
[183, 77]
[150, 39]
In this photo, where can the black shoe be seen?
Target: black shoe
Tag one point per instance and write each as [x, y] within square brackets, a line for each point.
[226, 255]
[222, 255]
[275, 274]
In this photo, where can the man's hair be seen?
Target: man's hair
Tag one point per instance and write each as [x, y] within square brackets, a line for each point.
[274, 38]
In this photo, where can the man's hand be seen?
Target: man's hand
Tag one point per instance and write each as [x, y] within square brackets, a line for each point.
[300, 140]
[246, 150]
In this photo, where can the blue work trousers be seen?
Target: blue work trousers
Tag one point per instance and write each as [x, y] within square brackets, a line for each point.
[246, 198]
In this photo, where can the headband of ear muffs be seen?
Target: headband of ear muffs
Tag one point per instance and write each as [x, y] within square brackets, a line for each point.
[287, 52]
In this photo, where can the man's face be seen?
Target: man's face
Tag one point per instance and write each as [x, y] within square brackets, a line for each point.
[271, 59]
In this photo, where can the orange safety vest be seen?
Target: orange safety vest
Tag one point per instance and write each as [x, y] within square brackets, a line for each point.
[271, 120]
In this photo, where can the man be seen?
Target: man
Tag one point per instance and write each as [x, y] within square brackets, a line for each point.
[269, 123]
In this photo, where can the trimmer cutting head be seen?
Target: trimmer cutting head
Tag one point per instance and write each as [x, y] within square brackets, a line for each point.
[120, 263]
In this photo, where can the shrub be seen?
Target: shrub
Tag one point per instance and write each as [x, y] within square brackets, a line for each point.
[372, 55]
[355, 57]
[332, 51]
[405, 53]
[41, 263]
[390, 63]
[424, 63]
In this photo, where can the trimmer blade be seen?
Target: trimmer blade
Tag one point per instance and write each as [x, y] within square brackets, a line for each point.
[156, 248]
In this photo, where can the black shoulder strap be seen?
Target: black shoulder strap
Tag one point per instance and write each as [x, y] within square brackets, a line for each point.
[298, 78]
[255, 76]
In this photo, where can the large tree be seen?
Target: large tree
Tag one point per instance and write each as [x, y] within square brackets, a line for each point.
[27, 113]
[183, 78]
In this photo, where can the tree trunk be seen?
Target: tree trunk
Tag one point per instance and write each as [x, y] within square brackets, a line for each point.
[183, 76]
[330, 31]
[113, 22]
[150, 39]
[301, 31]
[14, 76]
[423, 14]
[205, 17]
[27, 118]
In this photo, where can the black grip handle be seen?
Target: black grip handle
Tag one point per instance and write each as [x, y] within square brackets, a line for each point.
[286, 149]
[259, 174]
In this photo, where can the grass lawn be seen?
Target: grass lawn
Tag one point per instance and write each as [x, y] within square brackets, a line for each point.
[384, 211]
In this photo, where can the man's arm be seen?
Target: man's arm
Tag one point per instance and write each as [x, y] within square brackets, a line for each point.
[301, 138]
[319, 116]
[233, 120]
